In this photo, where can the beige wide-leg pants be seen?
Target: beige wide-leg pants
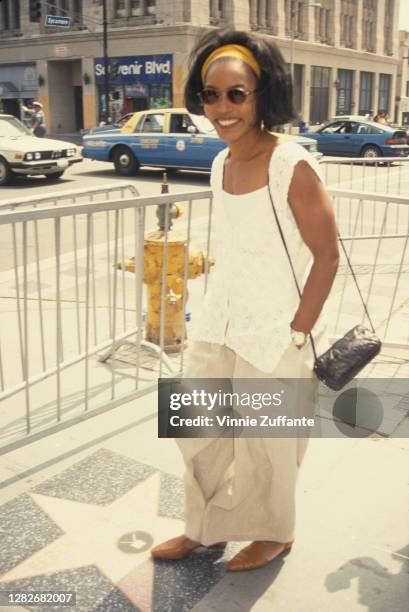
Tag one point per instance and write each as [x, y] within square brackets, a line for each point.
[242, 488]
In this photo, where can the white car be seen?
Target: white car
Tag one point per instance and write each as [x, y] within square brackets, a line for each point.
[21, 153]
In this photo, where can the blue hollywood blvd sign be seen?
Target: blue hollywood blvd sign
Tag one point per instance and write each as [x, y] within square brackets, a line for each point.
[57, 21]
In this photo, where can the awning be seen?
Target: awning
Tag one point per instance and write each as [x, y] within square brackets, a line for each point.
[8, 90]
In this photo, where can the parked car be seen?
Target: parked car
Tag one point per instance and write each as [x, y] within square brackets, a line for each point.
[108, 127]
[355, 136]
[166, 138]
[21, 153]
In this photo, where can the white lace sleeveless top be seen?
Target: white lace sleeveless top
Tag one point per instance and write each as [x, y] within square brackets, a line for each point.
[251, 296]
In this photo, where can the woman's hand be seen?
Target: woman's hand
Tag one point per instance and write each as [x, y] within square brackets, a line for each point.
[315, 218]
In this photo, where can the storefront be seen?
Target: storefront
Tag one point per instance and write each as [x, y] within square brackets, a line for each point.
[135, 83]
[18, 86]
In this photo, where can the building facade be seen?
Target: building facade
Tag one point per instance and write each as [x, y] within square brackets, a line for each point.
[343, 54]
[402, 97]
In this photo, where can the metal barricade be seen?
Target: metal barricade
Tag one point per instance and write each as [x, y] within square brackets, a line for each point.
[65, 300]
[73, 196]
[375, 231]
[378, 174]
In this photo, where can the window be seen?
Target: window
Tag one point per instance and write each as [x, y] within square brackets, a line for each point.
[51, 7]
[369, 17]
[365, 93]
[154, 123]
[333, 128]
[407, 89]
[218, 10]
[323, 21]
[319, 93]
[349, 11]
[9, 15]
[295, 15]
[298, 86]
[4, 16]
[179, 124]
[16, 14]
[388, 28]
[363, 129]
[344, 92]
[134, 8]
[341, 127]
[263, 14]
[375, 130]
[77, 11]
[384, 92]
[138, 126]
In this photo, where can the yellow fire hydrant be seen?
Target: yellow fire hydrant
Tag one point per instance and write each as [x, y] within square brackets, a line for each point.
[174, 321]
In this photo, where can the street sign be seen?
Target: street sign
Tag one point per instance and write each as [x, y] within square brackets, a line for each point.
[57, 21]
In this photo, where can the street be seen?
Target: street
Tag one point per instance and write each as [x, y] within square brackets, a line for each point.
[93, 173]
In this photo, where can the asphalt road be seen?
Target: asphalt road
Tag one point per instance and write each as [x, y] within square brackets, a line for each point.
[90, 173]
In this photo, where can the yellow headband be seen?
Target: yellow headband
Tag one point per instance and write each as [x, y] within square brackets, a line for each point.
[237, 51]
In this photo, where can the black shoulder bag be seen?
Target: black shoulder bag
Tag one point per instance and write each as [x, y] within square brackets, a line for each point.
[351, 353]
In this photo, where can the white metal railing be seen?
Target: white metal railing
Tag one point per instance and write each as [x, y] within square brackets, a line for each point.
[60, 310]
[63, 299]
[73, 196]
[377, 175]
[375, 231]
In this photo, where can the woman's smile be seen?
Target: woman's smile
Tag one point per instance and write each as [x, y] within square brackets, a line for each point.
[227, 122]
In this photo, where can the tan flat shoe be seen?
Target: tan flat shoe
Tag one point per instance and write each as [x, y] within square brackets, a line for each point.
[179, 548]
[257, 554]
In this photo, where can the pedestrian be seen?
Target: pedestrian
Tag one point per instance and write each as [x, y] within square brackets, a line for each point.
[381, 117]
[243, 489]
[38, 125]
[302, 126]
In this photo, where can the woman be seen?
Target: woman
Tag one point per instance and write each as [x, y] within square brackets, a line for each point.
[244, 489]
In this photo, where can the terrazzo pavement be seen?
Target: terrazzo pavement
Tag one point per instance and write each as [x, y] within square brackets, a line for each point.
[80, 510]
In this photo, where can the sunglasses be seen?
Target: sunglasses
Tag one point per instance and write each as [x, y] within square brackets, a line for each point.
[236, 95]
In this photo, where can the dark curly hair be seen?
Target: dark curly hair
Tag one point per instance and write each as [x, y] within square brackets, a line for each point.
[275, 101]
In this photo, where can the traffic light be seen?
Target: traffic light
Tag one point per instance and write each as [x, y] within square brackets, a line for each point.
[34, 10]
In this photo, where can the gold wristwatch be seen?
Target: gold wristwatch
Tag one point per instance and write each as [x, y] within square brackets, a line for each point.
[298, 338]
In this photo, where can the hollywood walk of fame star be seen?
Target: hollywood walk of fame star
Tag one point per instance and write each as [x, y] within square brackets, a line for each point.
[94, 534]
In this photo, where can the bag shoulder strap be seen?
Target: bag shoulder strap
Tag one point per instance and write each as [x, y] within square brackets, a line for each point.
[295, 277]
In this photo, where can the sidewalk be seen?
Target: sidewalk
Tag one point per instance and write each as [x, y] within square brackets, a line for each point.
[81, 509]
